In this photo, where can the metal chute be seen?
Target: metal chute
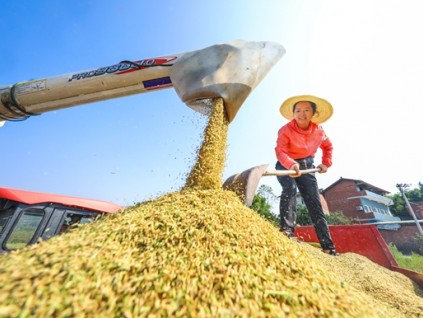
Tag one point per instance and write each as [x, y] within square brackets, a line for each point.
[230, 71]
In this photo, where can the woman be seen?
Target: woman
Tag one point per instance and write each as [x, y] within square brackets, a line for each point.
[296, 147]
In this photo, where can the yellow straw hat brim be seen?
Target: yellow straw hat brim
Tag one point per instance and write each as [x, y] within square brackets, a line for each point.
[324, 109]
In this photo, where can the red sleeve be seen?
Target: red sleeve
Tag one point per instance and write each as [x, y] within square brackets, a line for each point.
[282, 144]
[327, 149]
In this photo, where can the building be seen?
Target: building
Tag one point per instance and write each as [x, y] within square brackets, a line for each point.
[361, 201]
[417, 209]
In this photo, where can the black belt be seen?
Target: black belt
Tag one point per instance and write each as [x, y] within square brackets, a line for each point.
[305, 163]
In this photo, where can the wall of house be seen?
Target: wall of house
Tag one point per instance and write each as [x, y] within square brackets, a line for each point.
[378, 209]
[336, 198]
[417, 209]
[403, 239]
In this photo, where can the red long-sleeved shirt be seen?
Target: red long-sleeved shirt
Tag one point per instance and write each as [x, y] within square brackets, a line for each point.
[295, 143]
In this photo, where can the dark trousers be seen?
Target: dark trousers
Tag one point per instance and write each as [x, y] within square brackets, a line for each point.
[309, 190]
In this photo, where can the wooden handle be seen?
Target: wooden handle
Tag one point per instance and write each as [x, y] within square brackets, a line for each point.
[288, 172]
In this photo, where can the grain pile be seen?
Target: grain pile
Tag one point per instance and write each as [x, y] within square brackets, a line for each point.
[384, 285]
[195, 253]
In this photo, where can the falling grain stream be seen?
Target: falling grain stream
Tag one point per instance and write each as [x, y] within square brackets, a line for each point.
[198, 252]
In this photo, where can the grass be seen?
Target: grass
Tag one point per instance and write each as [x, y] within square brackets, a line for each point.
[412, 262]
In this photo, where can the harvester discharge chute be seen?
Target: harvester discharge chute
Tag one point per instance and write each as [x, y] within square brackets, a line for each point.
[230, 71]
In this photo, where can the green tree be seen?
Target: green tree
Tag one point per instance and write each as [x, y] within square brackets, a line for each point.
[415, 195]
[399, 208]
[303, 217]
[261, 203]
[338, 218]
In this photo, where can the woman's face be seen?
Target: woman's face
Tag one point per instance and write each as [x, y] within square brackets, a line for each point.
[303, 113]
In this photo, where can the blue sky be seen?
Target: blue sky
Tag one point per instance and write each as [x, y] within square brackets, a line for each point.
[134, 148]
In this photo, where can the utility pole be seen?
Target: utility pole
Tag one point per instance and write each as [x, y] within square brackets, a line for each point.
[401, 187]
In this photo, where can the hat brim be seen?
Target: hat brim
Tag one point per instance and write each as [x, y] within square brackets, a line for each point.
[324, 109]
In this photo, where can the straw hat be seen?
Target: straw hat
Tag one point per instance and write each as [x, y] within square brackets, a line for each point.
[324, 109]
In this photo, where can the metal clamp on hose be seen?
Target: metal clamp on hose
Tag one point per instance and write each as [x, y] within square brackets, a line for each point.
[15, 112]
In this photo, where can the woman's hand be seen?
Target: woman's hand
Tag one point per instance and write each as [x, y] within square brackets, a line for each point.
[322, 168]
[295, 167]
